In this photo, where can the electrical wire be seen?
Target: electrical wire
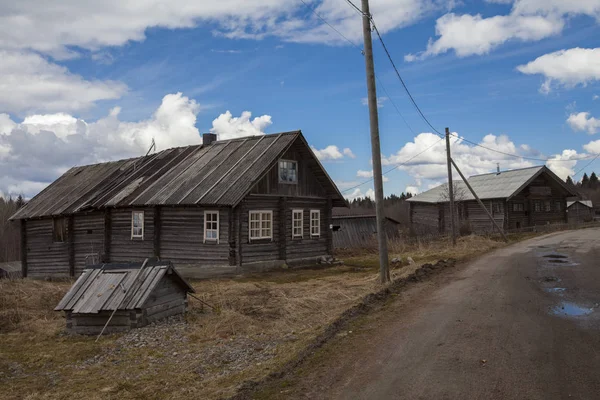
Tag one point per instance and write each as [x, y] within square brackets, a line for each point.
[394, 168]
[331, 26]
[585, 166]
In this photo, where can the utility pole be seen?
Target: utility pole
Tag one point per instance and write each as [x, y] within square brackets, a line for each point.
[450, 187]
[479, 201]
[384, 272]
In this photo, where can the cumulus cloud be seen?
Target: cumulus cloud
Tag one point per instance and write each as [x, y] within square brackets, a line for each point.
[430, 167]
[568, 68]
[36, 84]
[563, 164]
[592, 147]
[474, 35]
[332, 153]
[412, 189]
[92, 25]
[380, 101]
[226, 126]
[358, 193]
[529, 20]
[37, 150]
[369, 174]
[583, 121]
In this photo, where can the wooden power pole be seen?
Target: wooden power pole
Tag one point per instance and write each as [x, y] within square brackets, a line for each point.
[450, 187]
[384, 272]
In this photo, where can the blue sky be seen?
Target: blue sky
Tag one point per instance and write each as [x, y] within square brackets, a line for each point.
[100, 89]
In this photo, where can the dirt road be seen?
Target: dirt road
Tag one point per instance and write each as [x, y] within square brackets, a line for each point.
[520, 323]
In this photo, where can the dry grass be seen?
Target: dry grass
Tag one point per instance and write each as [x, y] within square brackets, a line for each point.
[276, 314]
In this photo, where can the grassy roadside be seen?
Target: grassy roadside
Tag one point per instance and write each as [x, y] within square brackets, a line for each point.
[259, 323]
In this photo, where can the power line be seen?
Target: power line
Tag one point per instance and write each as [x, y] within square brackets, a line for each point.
[586, 165]
[392, 169]
[312, 10]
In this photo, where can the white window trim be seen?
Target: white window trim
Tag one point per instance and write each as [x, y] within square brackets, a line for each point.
[301, 235]
[279, 172]
[218, 226]
[260, 213]
[133, 236]
[318, 225]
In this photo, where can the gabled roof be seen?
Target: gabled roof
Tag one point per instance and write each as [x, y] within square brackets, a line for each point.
[117, 287]
[503, 185]
[219, 174]
[587, 203]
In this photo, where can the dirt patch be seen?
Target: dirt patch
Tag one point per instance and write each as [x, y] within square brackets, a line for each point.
[367, 304]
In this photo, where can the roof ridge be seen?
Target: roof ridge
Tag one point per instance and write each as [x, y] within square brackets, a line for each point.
[510, 170]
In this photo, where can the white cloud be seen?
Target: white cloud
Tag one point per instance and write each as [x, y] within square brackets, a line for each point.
[568, 68]
[34, 84]
[332, 153]
[413, 190]
[595, 97]
[592, 147]
[369, 174]
[35, 152]
[584, 122]
[560, 166]
[226, 126]
[529, 20]
[380, 101]
[348, 153]
[356, 193]
[474, 35]
[58, 28]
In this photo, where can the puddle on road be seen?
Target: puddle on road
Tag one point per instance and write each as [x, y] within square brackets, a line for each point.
[558, 261]
[571, 309]
[555, 289]
[555, 256]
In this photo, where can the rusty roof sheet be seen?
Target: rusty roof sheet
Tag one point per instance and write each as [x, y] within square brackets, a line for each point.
[117, 287]
[220, 174]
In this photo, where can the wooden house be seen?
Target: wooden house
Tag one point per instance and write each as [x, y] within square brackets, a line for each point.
[355, 228]
[579, 211]
[123, 296]
[211, 209]
[516, 199]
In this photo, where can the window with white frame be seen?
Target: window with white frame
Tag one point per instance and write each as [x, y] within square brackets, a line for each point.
[288, 171]
[315, 223]
[137, 224]
[211, 226]
[297, 223]
[261, 225]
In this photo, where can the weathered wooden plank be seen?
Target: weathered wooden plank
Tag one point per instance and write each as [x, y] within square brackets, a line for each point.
[23, 248]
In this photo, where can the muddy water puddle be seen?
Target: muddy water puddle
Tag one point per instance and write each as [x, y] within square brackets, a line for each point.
[570, 309]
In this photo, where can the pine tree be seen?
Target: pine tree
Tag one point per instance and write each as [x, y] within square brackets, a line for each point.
[570, 181]
[20, 202]
[585, 181]
[593, 181]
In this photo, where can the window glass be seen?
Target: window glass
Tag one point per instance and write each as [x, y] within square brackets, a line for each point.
[315, 223]
[537, 206]
[297, 223]
[547, 206]
[288, 171]
[211, 225]
[261, 225]
[137, 224]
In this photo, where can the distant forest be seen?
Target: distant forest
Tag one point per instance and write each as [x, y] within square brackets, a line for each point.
[395, 206]
[10, 244]
[588, 188]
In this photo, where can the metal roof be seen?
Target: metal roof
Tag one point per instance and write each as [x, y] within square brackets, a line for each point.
[495, 185]
[587, 203]
[219, 174]
[345, 213]
[117, 287]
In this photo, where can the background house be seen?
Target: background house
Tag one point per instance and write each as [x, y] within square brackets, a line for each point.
[356, 227]
[516, 199]
[579, 211]
[210, 209]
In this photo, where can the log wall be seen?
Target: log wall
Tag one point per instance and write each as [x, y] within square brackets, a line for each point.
[45, 257]
[125, 248]
[89, 239]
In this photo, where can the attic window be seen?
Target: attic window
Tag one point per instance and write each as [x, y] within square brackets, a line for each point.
[59, 230]
[288, 171]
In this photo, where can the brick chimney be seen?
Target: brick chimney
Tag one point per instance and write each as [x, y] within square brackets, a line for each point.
[208, 138]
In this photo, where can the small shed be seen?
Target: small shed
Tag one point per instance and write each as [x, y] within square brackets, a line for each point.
[580, 211]
[129, 295]
[355, 228]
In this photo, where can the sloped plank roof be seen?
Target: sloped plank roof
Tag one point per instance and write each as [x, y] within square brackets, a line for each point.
[113, 286]
[587, 203]
[220, 174]
[501, 185]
